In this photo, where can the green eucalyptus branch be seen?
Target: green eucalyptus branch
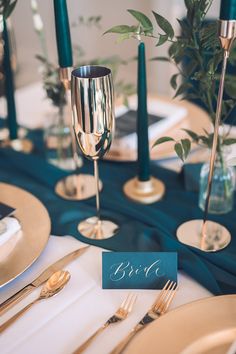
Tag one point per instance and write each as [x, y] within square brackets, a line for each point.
[198, 79]
[182, 147]
[144, 28]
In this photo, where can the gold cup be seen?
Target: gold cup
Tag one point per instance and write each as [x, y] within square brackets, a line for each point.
[92, 100]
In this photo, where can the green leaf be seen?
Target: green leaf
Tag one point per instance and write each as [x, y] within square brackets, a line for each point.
[9, 7]
[160, 59]
[192, 135]
[142, 19]
[162, 140]
[164, 25]
[190, 96]
[122, 37]
[230, 88]
[186, 144]
[173, 81]
[206, 140]
[229, 141]
[162, 39]
[41, 58]
[185, 27]
[188, 4]
[173, 49]
[208, 35]
[179, 151]
[183, 88]
[121, 29]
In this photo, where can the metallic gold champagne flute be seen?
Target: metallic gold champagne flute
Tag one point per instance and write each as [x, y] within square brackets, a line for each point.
[92, 99]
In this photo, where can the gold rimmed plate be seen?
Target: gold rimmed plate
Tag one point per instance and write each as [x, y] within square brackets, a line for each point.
[26, 245]
[205, 326]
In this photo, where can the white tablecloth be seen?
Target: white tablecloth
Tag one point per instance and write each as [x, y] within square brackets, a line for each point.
[58, 325]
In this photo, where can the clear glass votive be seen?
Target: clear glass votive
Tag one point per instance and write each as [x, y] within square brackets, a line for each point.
[58, 142]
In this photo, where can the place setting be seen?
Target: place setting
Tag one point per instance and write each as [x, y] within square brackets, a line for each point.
[117, 204]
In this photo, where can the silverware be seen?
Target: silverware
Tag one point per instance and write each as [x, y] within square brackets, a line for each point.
[120, 315]
[159, 307]
[44, 276]
[54, 285]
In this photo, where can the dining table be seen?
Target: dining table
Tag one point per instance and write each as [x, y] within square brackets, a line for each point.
[60, 324]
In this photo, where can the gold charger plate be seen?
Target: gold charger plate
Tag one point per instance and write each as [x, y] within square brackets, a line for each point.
[196, 119]
[206, 326]
[26, 245]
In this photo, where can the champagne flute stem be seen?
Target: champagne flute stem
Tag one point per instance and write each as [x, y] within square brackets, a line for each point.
[96, 175]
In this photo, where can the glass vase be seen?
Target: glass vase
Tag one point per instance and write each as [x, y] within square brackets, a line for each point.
[223, 185]
[57, 138]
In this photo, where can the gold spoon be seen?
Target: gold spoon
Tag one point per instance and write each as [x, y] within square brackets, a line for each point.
[54, 284]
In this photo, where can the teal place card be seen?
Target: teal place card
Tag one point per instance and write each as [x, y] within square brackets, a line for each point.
[138, 270]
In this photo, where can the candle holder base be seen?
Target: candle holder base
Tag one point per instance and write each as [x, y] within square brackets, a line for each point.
[144, 192]
[77, 187]
[20, 145]
[97, 229]
[217, 236]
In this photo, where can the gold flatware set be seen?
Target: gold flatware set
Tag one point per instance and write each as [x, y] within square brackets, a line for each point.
[54, 280]
[41, 279]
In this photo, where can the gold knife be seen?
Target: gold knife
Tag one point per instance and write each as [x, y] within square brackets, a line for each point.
[42, 278]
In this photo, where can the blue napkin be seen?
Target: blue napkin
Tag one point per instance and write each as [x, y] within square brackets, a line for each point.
[142, 228]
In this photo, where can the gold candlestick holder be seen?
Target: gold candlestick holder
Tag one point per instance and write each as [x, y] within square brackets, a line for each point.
[76, 186]
[143, 188]
[20, 144]
[145, 192]
[207, 235]
[92, 98]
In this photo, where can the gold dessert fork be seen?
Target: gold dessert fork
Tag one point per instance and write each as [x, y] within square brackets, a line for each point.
[158, 309]
[120, 315]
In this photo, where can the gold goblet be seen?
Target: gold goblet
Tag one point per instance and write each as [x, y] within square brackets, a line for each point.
[92, 100]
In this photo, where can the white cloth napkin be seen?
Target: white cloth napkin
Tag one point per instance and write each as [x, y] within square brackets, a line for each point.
[60, 324]
[10, 237]
[12, 226]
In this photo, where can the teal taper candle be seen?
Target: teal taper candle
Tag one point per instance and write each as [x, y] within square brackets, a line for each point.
[63, 34]
[9, 85]
[228, 10]
[142, 118]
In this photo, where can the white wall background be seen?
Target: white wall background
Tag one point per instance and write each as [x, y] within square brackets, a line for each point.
[113, 13]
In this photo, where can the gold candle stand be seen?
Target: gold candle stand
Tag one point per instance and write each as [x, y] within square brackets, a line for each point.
[207, 235]
[145, 192]
[75, 186]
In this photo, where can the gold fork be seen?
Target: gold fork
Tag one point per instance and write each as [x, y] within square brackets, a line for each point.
[159, 307]
[120, 315]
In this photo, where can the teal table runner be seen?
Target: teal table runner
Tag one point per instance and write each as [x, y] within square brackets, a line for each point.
[142, 228]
